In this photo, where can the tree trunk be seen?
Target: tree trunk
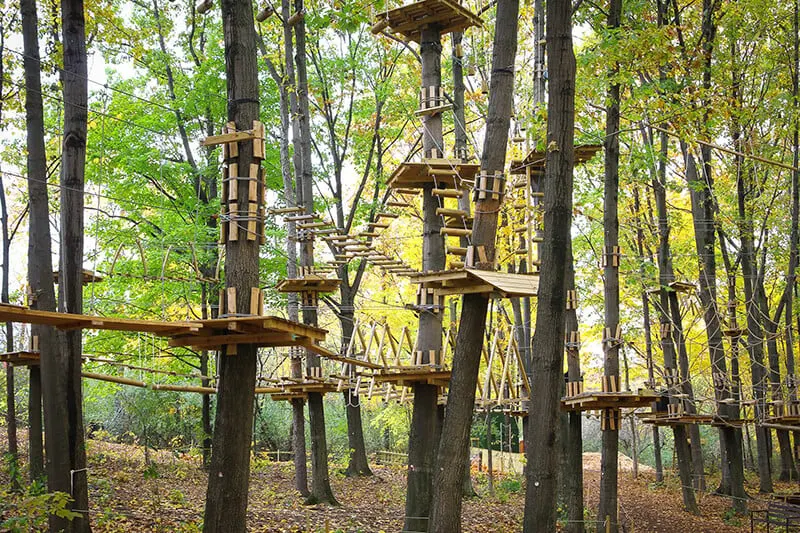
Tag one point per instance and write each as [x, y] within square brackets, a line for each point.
[298, 416]
[422, 445]
[226, 498]
[572, 472]
[548, 339]
[66, 453]
[11, 410]
[40, 261]
[357, 464]
[454, 445]
[321, 491]
[607, 519]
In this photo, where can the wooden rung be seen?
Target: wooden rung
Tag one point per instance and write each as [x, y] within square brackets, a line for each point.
[406, 191]
[447, 193]
[285, 210]
[299, 218]
[537, 194]
[398, 204]
[455, 232]
[454, 265]
[386, 214]
[442, 172]
[383, 225]
[451, 212]
[225, 138]
[456, 250]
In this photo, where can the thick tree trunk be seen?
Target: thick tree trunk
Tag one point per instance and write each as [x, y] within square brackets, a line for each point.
[548, 339]
[607, 520]
[422, 445]
[321, 491]
[66, 453]
[40, 261]
[226, 498]
[454, 445]
[11, 409]
[298, 405]
[357, 464]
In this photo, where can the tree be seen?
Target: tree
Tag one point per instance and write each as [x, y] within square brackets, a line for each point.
[40, 260]
[607, 519]
[226, 498]
[541, 450]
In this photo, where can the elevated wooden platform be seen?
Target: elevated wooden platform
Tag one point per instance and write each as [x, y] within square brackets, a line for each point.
[20, 358]
[442, 172]
[536, 159]
[592, 400]
[87, 277]
[471, 280]
[675, 286]
[204, 334]
[663, 419]
[408, 376]
[309, 283]
[409, 20]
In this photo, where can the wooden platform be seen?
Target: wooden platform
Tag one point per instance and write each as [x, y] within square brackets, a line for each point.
[409, 20]
[470, 280]
[592, 400]
[203, 334]
[87, 277]
[21, 358]
[536, 159]
[407, 377]
[663, 419]
[676, 286]
[417, 174]
[310, 283]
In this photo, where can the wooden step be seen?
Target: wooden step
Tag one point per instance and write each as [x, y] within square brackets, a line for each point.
[447, 193]
[455, 232]
[456, 250]
[443, 172]
[386, 214]
[406, 191]
[382, 225]
[455, 265]
[397, 204]
[537, 194]
[451, 212]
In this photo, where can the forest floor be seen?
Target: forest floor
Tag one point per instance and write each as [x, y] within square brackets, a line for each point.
[167, 496]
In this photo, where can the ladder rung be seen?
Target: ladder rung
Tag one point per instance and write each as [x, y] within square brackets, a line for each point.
[455, 232]
[451, 212]
[456, 264]
[386, 214]
[442, 172]
[456, 250]
[406, 191]
[398, 204]
[447, 193]
[537, 194]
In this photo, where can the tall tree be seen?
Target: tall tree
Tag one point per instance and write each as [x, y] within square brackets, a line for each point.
[541, 450]
[607, 514]
[226, 498]
[40, 259]
[321, 491]
[61, 371]
[454, 443]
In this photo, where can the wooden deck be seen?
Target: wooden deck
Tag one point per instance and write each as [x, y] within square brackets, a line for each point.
[408, 376]
[20, 358]
[536, 159]
[442, 172]
[409, 20]
[471, 280]
[203, 334]
[592, 400]
[309, 283]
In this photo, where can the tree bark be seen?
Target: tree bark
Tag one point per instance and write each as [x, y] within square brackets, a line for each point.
[298, 416]
[572, 472]
[548, 338]
[226, 497]
[454, 445]
[11, 410]
[66, 453]
[40, 260]
[607, 520]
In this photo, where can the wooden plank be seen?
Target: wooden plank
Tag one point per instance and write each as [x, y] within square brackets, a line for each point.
[236, 136]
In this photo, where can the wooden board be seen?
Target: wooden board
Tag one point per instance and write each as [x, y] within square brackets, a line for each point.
[409, 20]
[88, 277]
[471, 280]
[408, 376]
[416, 174]
[209, 334]
[591, 400]
[308, 284]
[20, 358]
[687, 419]
[536, 159]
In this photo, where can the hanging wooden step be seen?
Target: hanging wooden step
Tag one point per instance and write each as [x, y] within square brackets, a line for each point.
[406, 191]
[451, 212]
[448, 193]
[453, 265]
[455, 232]
[386, 214]
[456, 250]
[398, 204]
